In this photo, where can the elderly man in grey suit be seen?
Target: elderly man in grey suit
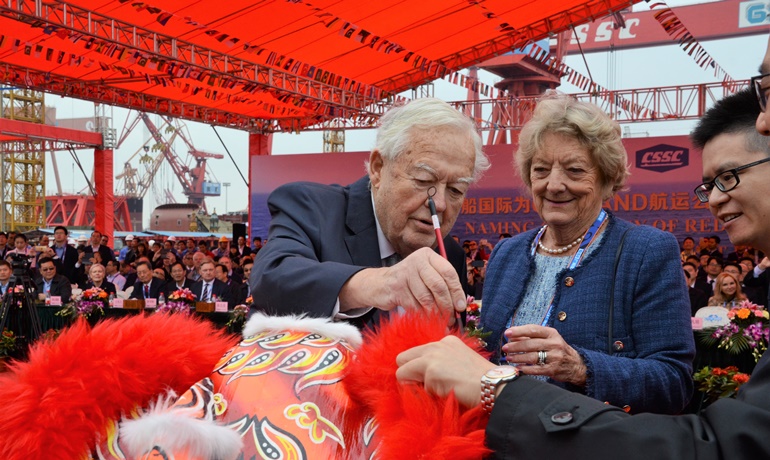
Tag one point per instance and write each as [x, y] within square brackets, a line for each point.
[332, 248]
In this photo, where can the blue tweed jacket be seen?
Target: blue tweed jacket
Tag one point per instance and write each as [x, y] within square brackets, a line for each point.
[652, 372]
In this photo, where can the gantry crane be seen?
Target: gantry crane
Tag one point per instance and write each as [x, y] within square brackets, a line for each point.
[192, 177]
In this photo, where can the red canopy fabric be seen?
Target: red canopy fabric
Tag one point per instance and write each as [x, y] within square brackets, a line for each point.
[264, 65]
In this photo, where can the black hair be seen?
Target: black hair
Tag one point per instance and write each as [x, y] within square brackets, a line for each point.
[733, 264]
[61, 227]
[736, 113]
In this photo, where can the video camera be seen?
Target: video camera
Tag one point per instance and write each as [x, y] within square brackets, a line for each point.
[20, 263]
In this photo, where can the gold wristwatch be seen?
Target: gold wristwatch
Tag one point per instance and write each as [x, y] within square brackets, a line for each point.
[490, 381]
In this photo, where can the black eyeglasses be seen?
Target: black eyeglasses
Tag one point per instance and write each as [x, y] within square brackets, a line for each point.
[756, 84]
[725, 181]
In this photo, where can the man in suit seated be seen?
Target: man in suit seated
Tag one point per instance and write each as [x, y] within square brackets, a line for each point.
[146, 286]
[210, 289]
[698, 298]
[178, 279]
[333, 250]
[50, 284]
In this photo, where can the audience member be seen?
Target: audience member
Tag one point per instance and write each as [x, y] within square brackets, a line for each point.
[210, 289]
[96, 275]
[65, 256]
[112, 272]
[147, 285]
[698, 298]
[49, 283]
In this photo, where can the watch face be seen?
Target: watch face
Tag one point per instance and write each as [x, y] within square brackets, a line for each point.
[501, 372]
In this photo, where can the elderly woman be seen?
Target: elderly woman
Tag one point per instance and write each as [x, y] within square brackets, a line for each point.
[727, 291]
[588, 301]
[96, 275]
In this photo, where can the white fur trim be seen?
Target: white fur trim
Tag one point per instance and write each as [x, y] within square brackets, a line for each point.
[176, 431]
[260, 322]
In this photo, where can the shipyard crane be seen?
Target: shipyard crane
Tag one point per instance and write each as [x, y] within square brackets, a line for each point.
[192, 176]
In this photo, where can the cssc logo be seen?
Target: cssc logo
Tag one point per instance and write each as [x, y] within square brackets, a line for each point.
[662, 158]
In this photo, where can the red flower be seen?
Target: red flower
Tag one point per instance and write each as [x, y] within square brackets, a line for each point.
[740, 378]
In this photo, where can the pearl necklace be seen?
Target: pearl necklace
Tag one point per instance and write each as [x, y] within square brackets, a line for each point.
[559, 250]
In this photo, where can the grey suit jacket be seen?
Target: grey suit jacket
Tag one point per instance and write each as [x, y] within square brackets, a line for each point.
[320, 236]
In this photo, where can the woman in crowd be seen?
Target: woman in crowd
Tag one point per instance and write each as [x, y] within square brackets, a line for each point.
[727, 291]
[142, 250]
[577, 309]
[96, 275]
[22, 247]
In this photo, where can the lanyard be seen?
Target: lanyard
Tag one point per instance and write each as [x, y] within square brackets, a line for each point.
[588, 238]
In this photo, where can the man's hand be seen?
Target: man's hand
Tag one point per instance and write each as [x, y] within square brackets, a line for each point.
[424, 281]
[444, 366]
[764, 264]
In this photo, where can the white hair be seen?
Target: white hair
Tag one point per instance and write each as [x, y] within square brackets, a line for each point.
[397, 125]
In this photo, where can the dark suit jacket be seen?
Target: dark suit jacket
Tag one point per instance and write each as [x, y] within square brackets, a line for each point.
[705, 286]
[66, 267]
[105, 252]
[219, 289]
[156, 287]
[758, 283]
[171, 286]
[533, 419]
[60, 287]
[698, 299]
[320, 236]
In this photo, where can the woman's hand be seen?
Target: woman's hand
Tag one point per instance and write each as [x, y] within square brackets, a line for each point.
[562, 363]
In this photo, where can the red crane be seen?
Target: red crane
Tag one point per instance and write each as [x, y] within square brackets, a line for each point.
[193, 176]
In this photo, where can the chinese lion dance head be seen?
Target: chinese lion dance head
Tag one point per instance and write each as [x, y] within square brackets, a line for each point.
[289, 388]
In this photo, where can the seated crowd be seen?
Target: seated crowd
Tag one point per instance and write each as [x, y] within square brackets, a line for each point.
[150, 269]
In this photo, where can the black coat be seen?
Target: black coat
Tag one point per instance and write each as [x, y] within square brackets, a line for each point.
[60, 287]
[156, 288]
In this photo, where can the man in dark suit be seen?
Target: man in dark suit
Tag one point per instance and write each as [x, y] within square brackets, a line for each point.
[712, 248]
[332, 249]
[65, 256]
[712, 269]
[534, 419]
[698, 298]
[210, 289]
[50, 284]
[97, 246]
[146, 286]
[4, 248]
[178, 279]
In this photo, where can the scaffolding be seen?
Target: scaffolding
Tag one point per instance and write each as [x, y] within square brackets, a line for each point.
[22, 164]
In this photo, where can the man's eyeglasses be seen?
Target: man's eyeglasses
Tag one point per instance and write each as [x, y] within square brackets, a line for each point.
[756, 84]
[725, 181]
[46, 269]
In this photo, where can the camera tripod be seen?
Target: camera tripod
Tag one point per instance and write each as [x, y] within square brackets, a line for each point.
[18, 313]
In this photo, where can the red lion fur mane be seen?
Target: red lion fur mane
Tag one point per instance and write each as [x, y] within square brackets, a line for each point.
[411, 422]
[59, 402]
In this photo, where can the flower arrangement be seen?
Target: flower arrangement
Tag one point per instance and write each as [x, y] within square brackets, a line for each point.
[748, 330]
[90, 301]
[472, 314]
[7, 343]
[179, 301]
[238, 314]
[718, 383]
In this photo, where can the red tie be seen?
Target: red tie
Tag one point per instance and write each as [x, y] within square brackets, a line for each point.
[146, 291]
